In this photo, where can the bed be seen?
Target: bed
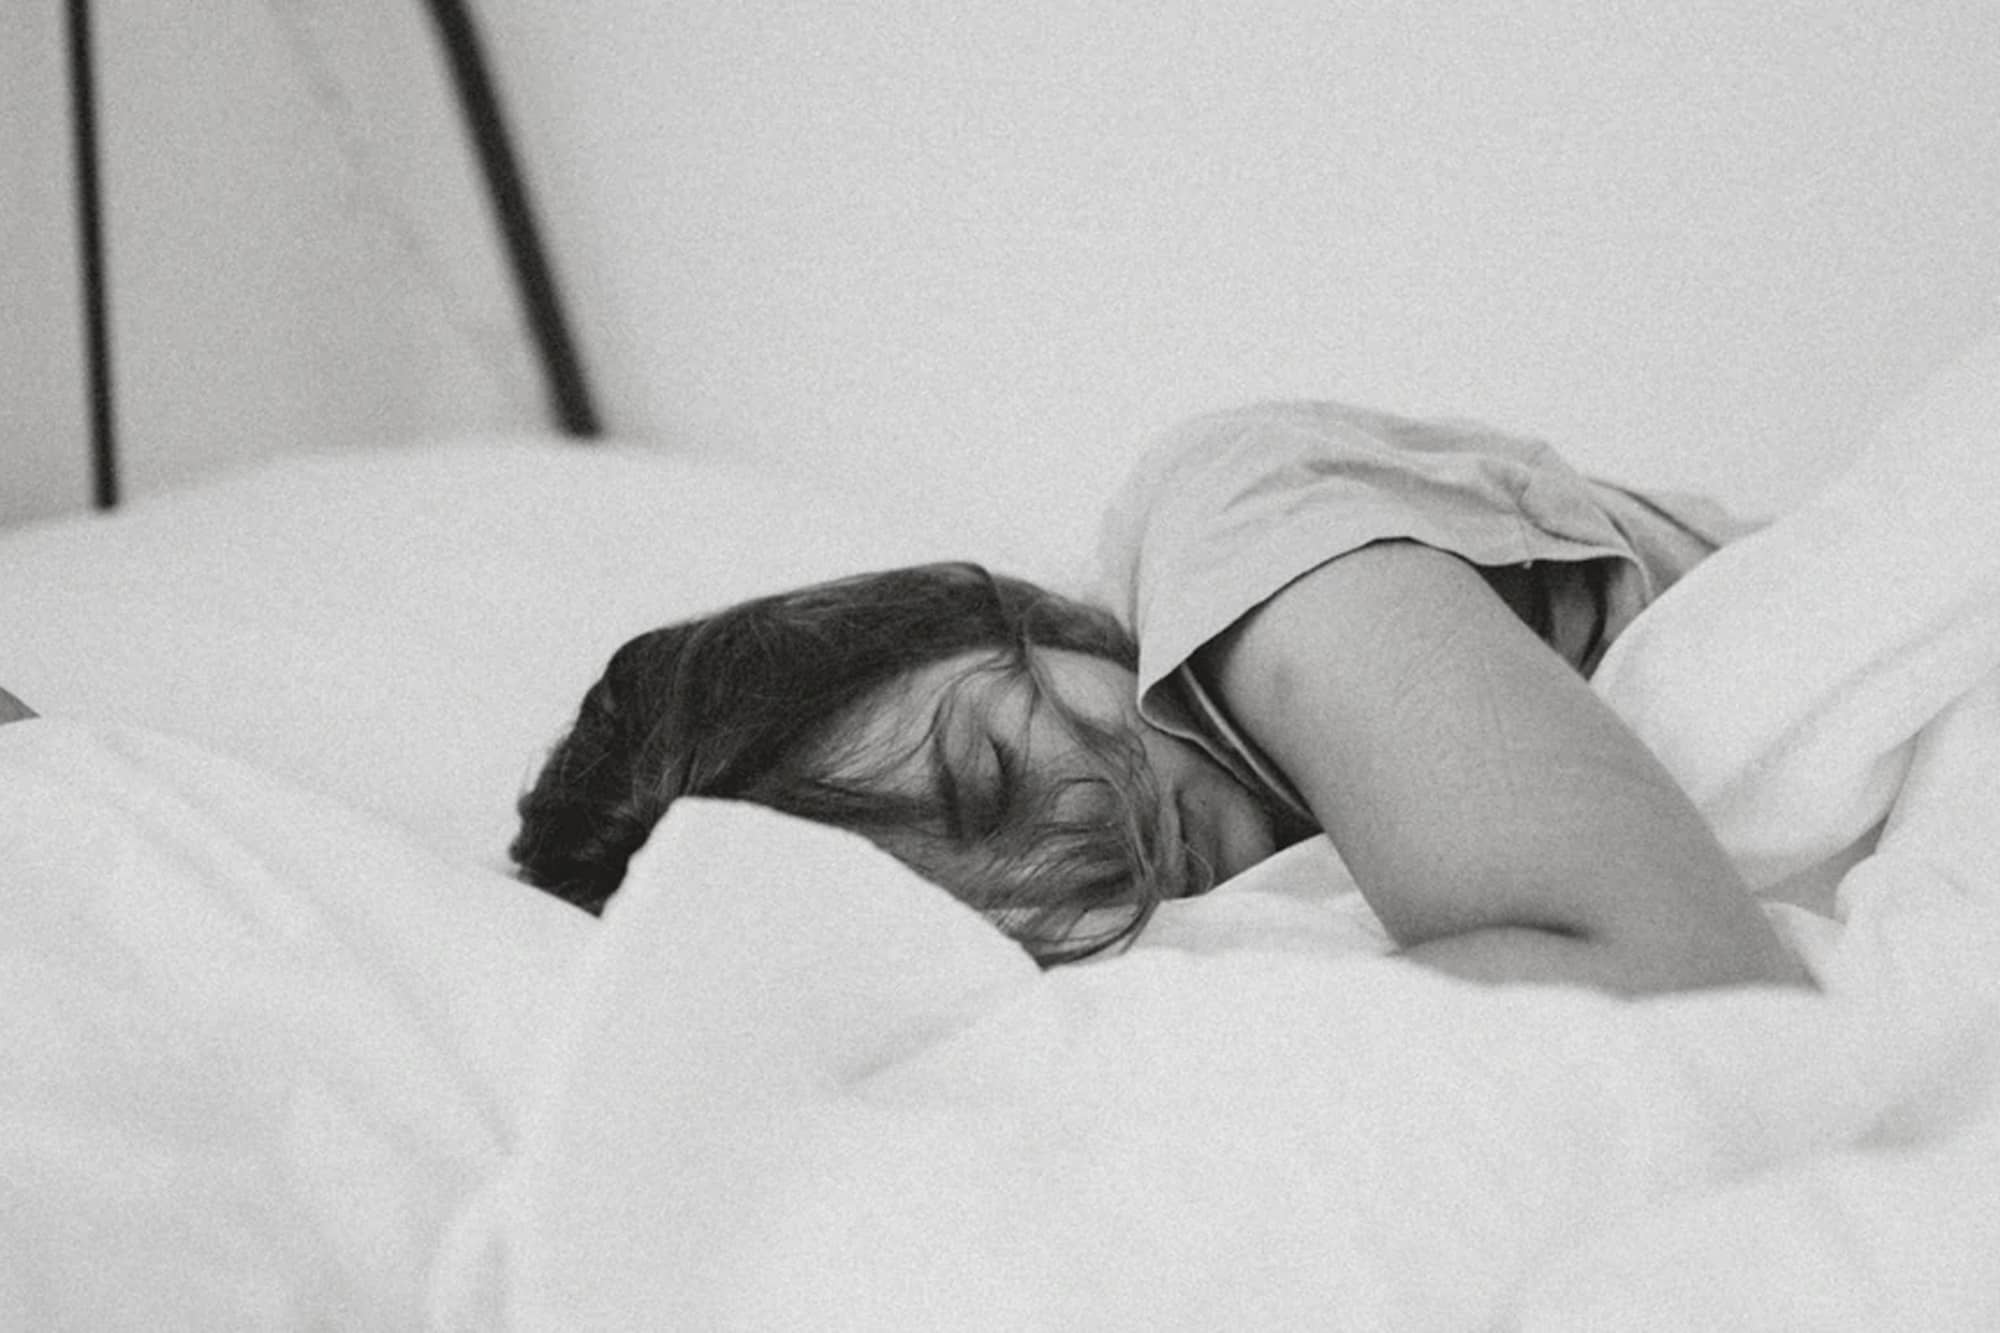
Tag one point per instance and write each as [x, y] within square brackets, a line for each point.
[288, 1047]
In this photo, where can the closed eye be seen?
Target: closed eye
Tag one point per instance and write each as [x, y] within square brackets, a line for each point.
[949, 796]
[976, 792]
[1007, 771]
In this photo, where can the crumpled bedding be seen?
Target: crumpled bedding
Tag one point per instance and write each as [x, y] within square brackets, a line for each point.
[258, 1048]
[273, 1064]
[797, 1088]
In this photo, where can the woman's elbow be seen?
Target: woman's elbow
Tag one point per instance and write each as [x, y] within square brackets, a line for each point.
[1709, 956]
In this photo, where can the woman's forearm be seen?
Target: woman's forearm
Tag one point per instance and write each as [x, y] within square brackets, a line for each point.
[1495, 813]
[1524, 955]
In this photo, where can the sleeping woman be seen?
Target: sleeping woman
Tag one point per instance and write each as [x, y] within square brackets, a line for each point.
[1329, 622]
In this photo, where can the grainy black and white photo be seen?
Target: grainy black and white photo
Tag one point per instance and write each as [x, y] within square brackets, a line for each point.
[1304, 665]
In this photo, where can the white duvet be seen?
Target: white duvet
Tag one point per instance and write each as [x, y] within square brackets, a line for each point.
[273, 1065]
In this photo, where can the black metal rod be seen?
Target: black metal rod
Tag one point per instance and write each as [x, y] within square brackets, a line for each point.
[541, 302]
[90, 258]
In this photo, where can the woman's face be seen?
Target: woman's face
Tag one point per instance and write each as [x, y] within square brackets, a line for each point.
[1211, 826]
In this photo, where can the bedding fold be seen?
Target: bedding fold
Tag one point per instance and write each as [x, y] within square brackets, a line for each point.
[1169, 1140]
[273, 1064]
[801, 1087]
[1785, 686]
[258, 1048]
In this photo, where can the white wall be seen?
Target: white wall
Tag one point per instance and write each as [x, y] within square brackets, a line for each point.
[966, 246]
[971, 250]
[299, 257]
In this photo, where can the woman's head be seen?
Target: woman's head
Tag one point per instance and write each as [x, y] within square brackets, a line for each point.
[977, 727]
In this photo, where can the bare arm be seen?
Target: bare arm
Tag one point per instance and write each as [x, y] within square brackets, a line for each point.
[12, 709]
[1500, 819]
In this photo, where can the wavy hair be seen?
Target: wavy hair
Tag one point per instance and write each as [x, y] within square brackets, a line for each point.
[764, 701]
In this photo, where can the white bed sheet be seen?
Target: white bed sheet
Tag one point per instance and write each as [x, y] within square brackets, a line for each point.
[896, 1123]
[258, 1048]
[407, 630]
[289, 1052]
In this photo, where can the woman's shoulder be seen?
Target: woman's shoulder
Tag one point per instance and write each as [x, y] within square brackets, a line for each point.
[1244, 466]
[1329, 428]
[1279, 450]
[1225, 507]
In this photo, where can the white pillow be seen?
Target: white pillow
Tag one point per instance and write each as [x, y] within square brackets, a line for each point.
[410, 629]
